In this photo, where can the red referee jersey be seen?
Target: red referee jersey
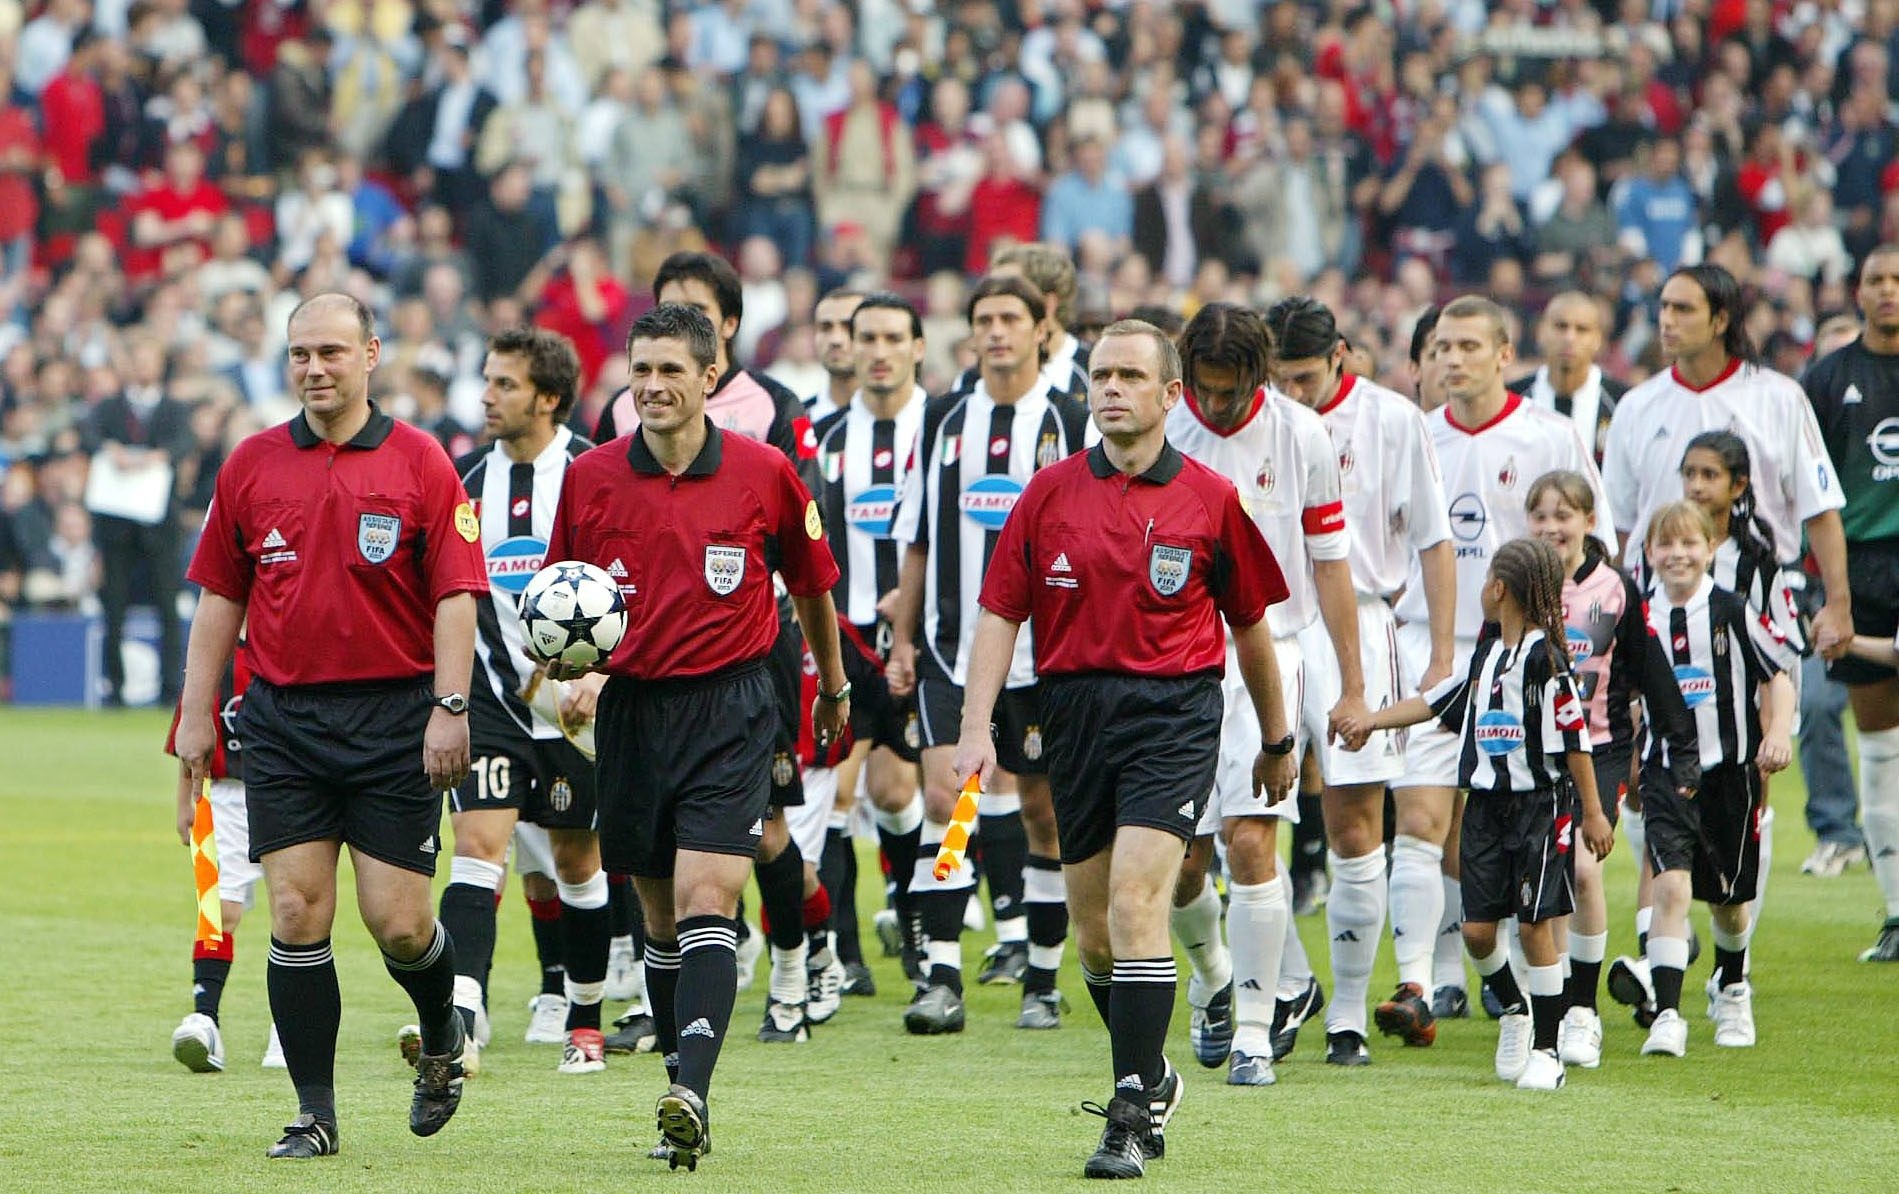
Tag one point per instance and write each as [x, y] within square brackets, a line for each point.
[1131, 574]
[340, 553]
[694, 553]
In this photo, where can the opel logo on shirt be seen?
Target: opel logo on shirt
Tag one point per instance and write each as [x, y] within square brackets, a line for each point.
[1884, 443]
[1468, 517]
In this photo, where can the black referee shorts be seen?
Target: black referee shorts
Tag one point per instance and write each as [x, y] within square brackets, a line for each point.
[547, 780]
[343, 762]
[1716, 836]
[1516, 854]
[787, 676]
[683, 765]
[1018, 725]
[1872, 574]
[1129, 750]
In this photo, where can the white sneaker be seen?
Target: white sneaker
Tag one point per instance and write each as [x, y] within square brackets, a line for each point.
[1668, 1035]
[750, 947]
[274, 1052]
[626, 977]
[824, 983]
[547, 1020]
[1579, 1038]
[1515, 1032]
[469, 997]
[198, 1045]
[1734, 1017]
[1542, 1071]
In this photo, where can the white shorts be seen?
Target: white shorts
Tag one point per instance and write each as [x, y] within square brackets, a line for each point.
[1382, 760]
[231, 827]
[1233, 794]
[533, 850]
[1431, 752]
[811, 821]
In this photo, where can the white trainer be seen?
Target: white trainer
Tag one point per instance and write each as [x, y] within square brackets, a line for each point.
[1515, 1033]
[824, 983]
[1734, 1017]
[469, 997]
[1542, 1071]
[1579, 1038]
[750, 947]
[198, 1045]
[1667, 1036]
[626, 977]
[547, 1020]
[274, 1052]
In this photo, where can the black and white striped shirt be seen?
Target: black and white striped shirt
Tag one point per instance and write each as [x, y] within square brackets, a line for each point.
[1519, 715]
[1065, 371]
[515, 504]
[1721, 653]
[972, 460]
[863, 461]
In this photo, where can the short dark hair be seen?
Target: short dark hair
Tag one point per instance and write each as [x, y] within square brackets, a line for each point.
[1165, 318]
[365, 319]
[884, 300]
[1230, 336]
[1421, 332]
[998, 285]
[1163, 344]
[715, 271]
[840, 292]
[677, 321]
[1303, 327]
[1724, 296]
[553, 364]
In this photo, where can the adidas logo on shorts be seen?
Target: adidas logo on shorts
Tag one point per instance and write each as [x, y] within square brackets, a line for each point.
[1186, 810]
[758, 827]
[274, 539]
[700, 1027]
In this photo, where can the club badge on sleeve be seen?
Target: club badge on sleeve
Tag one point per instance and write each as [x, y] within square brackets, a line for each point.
[377, 536]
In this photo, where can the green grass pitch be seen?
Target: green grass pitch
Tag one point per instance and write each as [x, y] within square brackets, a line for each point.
[95, 923]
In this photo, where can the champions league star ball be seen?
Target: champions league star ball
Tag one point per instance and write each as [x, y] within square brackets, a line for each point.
[573, 613]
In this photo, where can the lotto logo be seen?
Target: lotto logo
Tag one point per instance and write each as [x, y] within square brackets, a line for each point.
[1569, 713]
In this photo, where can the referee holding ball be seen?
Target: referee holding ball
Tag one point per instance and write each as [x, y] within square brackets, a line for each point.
[1126, 558]
[346, 540]
[693, 521]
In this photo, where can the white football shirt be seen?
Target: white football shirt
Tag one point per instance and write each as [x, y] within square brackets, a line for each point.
[1394, 494]
[1281, 460]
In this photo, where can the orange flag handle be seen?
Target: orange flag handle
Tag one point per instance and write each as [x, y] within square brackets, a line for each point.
[949, 856]
[204, 867]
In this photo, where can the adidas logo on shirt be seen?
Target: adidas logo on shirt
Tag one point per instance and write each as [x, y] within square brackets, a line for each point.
[617, 570]
[1851, 397]
[1060, 564]
[700, 1027]
[274, 539]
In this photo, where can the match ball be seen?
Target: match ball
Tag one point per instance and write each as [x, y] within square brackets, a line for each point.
[573, 614]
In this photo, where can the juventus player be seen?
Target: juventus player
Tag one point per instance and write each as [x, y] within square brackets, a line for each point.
[864, 456]
[974, 454]
[1064, 358]
[1855, 395]
[1570, 382]
[1277, 453]
[1491, 445]
[522, 765]
[831, 326]
[1394, 512]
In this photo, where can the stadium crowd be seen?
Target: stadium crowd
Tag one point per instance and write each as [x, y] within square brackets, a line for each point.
[176, 174]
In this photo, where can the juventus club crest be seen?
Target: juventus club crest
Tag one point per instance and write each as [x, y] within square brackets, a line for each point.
[561, 796]
[377, 536]
[725, 568]
[1032, 743]
[1167, 569]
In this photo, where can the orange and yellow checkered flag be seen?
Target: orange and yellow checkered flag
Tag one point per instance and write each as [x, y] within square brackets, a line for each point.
[949, 856]
[204, 867]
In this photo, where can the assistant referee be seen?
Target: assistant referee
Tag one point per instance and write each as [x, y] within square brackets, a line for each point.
[1126, 558]
[345, 538]
[695, 520]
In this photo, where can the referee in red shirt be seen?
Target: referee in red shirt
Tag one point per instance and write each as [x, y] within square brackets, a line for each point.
[695, 520]
[345, 538]
[1126, 558]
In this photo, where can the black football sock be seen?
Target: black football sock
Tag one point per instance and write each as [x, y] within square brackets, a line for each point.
[1101, 990]
[1047, 904]
[1003, 847]
[662, 986]
[1308, 839]
[708, 985]
[781, 892]
[1730, 966]
[900, 851]
[1503, 984]
[837, 871]
[468, 913]
[586, 927]
[429, 979]
[1142, 1004]
[210, 967]
[941, 913]
[1584, 979]
[621, 906]
[307, 1006]
[544, 916]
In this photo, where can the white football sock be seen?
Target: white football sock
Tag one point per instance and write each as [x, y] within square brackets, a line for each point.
[1879, 808]
[1417, 908]
[1295, 969]
[1354, 918]
[1636, 830]
[789, 983]
[1197, 928]
[1256, 926]
[1447, 952]
[1767, 863]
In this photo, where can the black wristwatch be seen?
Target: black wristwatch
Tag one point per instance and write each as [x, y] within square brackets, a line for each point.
[836, 698]
[1281, 747]
[454, 702]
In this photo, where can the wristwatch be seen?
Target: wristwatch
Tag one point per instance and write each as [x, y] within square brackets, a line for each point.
[1281, 747]
[454, 702]
[836, 698]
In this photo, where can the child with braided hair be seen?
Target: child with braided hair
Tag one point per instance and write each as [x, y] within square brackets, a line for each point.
[1525, 760]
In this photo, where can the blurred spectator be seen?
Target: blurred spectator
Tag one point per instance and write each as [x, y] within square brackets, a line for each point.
[19, 203]
[300, 98]
[46, 42]
[1086, 199]
[608, 35]
[507, 235]
[367, 89]
[1005, 207]
[865, 165]
[173, 218]
[774, 180]
[1657, 214]
[1580, 232]
[762, 285]
[1292, 208]
[950, 162]
[1493, 230]
[1425, 194]
[535, 132]
[65, 573]
[584, 302]
[315, 207]
[1176, 221]
[1811, 246]
[649, 159]
[433, 138]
